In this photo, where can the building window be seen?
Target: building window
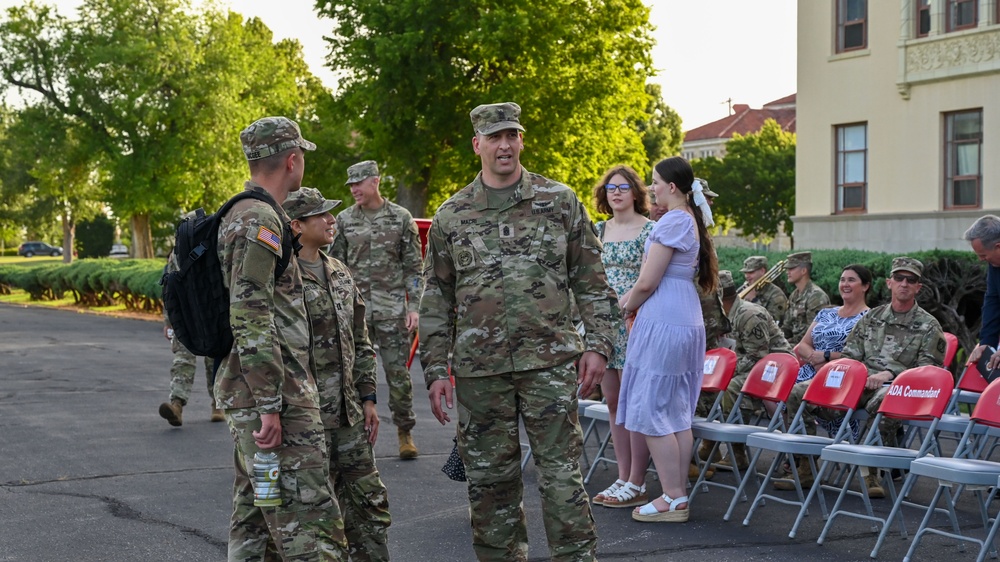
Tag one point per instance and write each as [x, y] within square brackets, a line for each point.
[852, 167]
[852, 25]
[923, 17]
[962, 14]
[963, 146]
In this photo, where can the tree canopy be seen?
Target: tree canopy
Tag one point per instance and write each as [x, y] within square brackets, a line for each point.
[755, 181]
[412, 70]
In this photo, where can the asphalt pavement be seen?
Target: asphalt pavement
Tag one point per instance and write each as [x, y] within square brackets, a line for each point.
[90, 472]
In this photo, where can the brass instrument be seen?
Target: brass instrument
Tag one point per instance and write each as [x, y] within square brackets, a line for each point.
[768, 277]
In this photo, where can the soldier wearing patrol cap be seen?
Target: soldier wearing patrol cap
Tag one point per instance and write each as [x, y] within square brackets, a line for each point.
[344, 365]
[507, 258]
[890, 339]
[379, 242]
[767, 295]
[805, 301]
[269, 397]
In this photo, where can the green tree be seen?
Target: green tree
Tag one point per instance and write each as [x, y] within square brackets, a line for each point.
[157, 91]
[755, 181]
[661, 132]
[413, 69]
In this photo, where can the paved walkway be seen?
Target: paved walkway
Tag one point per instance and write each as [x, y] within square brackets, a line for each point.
[91, 472]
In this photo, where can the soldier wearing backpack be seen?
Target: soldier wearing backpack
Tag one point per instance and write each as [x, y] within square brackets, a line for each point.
[264, 386]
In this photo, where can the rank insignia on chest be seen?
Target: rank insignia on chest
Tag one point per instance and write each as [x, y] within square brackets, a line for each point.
[506, 231]
[464, 258]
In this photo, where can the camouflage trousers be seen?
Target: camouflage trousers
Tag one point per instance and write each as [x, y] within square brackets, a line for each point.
[871, 400]
[748, 406]
[360, 493]
[488, 412]
[182, 371]
[394, 346]
[307, 526]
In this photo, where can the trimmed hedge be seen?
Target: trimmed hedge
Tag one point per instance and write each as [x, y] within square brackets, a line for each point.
[93, 282]
[954, 282]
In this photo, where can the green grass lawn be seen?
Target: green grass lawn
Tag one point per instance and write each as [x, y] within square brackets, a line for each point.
[18, 296]
[20, 260]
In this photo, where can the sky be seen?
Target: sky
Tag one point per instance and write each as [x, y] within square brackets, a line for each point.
[707, 51]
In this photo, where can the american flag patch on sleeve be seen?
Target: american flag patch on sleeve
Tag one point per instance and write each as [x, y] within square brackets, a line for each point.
[267, 236]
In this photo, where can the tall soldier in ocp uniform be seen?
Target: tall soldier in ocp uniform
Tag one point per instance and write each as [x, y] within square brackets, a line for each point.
[379, 242]
[805, 301]
[767, 295]
[507, 257]
[264, 386]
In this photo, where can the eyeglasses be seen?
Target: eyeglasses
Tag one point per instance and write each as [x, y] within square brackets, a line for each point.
[911, 279]
[623, 188]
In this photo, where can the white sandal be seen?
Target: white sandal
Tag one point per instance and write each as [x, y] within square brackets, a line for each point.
[610, 491]
[627, 496]
[649, 512]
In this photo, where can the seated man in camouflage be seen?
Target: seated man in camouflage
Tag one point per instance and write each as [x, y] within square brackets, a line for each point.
[768, 295]
[805, 301]
[756, 335]
[889, 339]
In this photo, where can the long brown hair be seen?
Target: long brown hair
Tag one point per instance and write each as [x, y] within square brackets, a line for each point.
[640, 193]
[676, 170]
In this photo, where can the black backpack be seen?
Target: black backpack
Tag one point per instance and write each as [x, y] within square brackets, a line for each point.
[195, 297]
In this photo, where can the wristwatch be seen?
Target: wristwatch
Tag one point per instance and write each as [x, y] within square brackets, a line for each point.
[826, 355]
[370, 397]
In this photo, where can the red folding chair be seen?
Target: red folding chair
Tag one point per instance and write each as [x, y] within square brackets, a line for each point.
[838, 386]
[772, 378]
[719, 368]
[950, 348]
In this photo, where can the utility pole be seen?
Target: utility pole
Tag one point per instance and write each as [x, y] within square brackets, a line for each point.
[728, 102]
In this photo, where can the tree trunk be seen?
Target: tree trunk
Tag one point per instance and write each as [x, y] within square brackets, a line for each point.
[142, 237]
[69, 234]
[413, 197]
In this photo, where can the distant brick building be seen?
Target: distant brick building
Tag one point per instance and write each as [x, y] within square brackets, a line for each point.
[711, 139]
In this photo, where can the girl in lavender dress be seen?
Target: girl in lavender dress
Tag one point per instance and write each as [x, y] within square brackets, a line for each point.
[666, 348]
[622, 194]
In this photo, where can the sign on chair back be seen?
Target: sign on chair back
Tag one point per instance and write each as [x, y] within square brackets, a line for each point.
[719, 367]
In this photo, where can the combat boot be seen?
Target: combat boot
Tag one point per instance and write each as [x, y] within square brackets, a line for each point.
[705, 448]
[739, 451]
[407, 450]
[172, 412]
[805, 476]
[217, 414]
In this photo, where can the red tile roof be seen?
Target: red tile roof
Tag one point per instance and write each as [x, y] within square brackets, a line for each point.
[745, 120]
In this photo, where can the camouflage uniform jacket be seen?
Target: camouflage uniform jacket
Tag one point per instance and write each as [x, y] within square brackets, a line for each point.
[501, 282]
[756, 335]
[268, 364]
[383, 253]
[343, 359]
[774, 300]
[802, 308]
[884, 342]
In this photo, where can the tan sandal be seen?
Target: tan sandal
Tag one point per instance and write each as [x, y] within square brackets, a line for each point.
[599, 499]
[628, 495]
[649, 513]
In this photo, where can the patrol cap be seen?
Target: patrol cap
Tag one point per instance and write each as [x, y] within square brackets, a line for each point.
[306, 202]
[490, 118]
[271, 135]
[704, 188]
[362, 171]
[799, 259]
[726, 283]
[911, 265]
[753, 263]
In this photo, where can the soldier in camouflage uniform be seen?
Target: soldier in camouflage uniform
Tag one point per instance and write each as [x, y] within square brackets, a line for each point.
[344, 364]
[182, 371]
[378, 240]
[270, 399]
[756, 335]
[805, 301]
[506, 258]
[890, 339]
[767, 295]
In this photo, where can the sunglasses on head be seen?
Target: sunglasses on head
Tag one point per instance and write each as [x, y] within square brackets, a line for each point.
[622, 188]
[911, 279]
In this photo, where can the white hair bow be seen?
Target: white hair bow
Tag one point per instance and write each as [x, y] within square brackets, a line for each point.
[702, 203]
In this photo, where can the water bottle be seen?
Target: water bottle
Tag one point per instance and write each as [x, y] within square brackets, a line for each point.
[266, 491]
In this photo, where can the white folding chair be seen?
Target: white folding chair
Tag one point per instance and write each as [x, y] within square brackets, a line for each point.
[918, 393]
[838, 386]
[772, 378]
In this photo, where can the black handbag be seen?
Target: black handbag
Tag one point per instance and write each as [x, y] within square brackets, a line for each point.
[454, 468]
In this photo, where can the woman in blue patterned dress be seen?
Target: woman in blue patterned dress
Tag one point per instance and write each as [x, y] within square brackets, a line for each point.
[622, 194]
[825, 338]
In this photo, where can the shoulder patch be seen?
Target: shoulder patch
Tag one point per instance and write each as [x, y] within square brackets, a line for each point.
[269, 237]
[941, 345]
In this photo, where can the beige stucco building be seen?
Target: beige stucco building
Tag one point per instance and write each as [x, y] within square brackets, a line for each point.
[898, 122]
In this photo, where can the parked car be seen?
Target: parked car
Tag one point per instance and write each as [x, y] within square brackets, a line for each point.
[118, 251]
[29, 249]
